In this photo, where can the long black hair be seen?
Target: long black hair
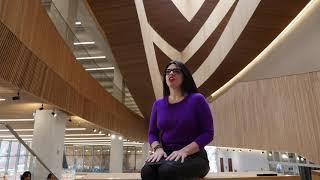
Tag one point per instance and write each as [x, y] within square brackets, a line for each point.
[188, 85]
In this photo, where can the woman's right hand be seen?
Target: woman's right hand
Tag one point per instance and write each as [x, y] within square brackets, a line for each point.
[156, 156]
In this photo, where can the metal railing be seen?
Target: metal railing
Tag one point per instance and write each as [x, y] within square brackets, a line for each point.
[69, 35]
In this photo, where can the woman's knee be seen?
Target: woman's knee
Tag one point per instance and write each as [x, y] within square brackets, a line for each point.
[147, 172]
[167, 171]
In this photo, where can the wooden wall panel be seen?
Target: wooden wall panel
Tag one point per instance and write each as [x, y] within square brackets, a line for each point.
[315, 175]
[279, 114]
[35, 58]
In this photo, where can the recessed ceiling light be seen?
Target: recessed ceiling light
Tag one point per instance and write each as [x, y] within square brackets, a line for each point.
[24, 139]
[2, 99]
[12, 136]
[78, 23]
[91, 57]
[87, 138]
[21, 130]
[99, 69]
[86, 141]
[15, 120]
[84, 43]
[17, 130]
[68, 135]
[76, 129]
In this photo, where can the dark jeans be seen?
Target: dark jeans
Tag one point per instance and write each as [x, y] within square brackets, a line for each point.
[194, 166]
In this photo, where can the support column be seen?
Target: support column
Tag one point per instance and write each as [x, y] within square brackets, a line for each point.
[116, 155]
[145, 151]
[48, 142]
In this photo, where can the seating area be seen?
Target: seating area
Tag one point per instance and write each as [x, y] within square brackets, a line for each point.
[210, 176]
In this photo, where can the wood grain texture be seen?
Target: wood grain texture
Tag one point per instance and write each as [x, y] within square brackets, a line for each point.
[168, 21]
[280, 114]
[35, 58]
[203, 52]
[119, 21]
[267, 22]
[315, 175]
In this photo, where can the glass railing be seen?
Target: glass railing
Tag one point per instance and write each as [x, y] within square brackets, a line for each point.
[288, 163]
[67, 31]
[18, 159]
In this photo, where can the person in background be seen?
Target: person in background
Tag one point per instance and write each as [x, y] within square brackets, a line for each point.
[26, 175]
[51, 177]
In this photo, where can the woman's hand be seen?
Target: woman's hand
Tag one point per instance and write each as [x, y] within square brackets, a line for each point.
[176, 155]
[156, 156]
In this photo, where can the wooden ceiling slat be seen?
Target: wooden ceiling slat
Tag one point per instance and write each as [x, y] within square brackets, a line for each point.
[36, 59]
[265, 25]
[168, 21]
[120, 23]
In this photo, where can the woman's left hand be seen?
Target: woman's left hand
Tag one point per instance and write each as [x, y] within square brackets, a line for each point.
[176, 155]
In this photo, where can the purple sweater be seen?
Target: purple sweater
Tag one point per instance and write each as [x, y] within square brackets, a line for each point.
[189, 120]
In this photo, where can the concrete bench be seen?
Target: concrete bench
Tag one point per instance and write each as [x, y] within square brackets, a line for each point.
[315, 175]
[210, 176]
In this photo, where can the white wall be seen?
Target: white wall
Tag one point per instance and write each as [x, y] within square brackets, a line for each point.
[241, 161]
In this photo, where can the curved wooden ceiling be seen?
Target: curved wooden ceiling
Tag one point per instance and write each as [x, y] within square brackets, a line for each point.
[34, 58]
[172, 25]
[264, 26]
[120, 22]
[202, 53]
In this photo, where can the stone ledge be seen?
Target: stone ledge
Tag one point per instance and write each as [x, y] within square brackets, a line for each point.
[210, 176]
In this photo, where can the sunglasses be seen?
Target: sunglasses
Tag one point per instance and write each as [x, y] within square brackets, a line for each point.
[174, 71]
